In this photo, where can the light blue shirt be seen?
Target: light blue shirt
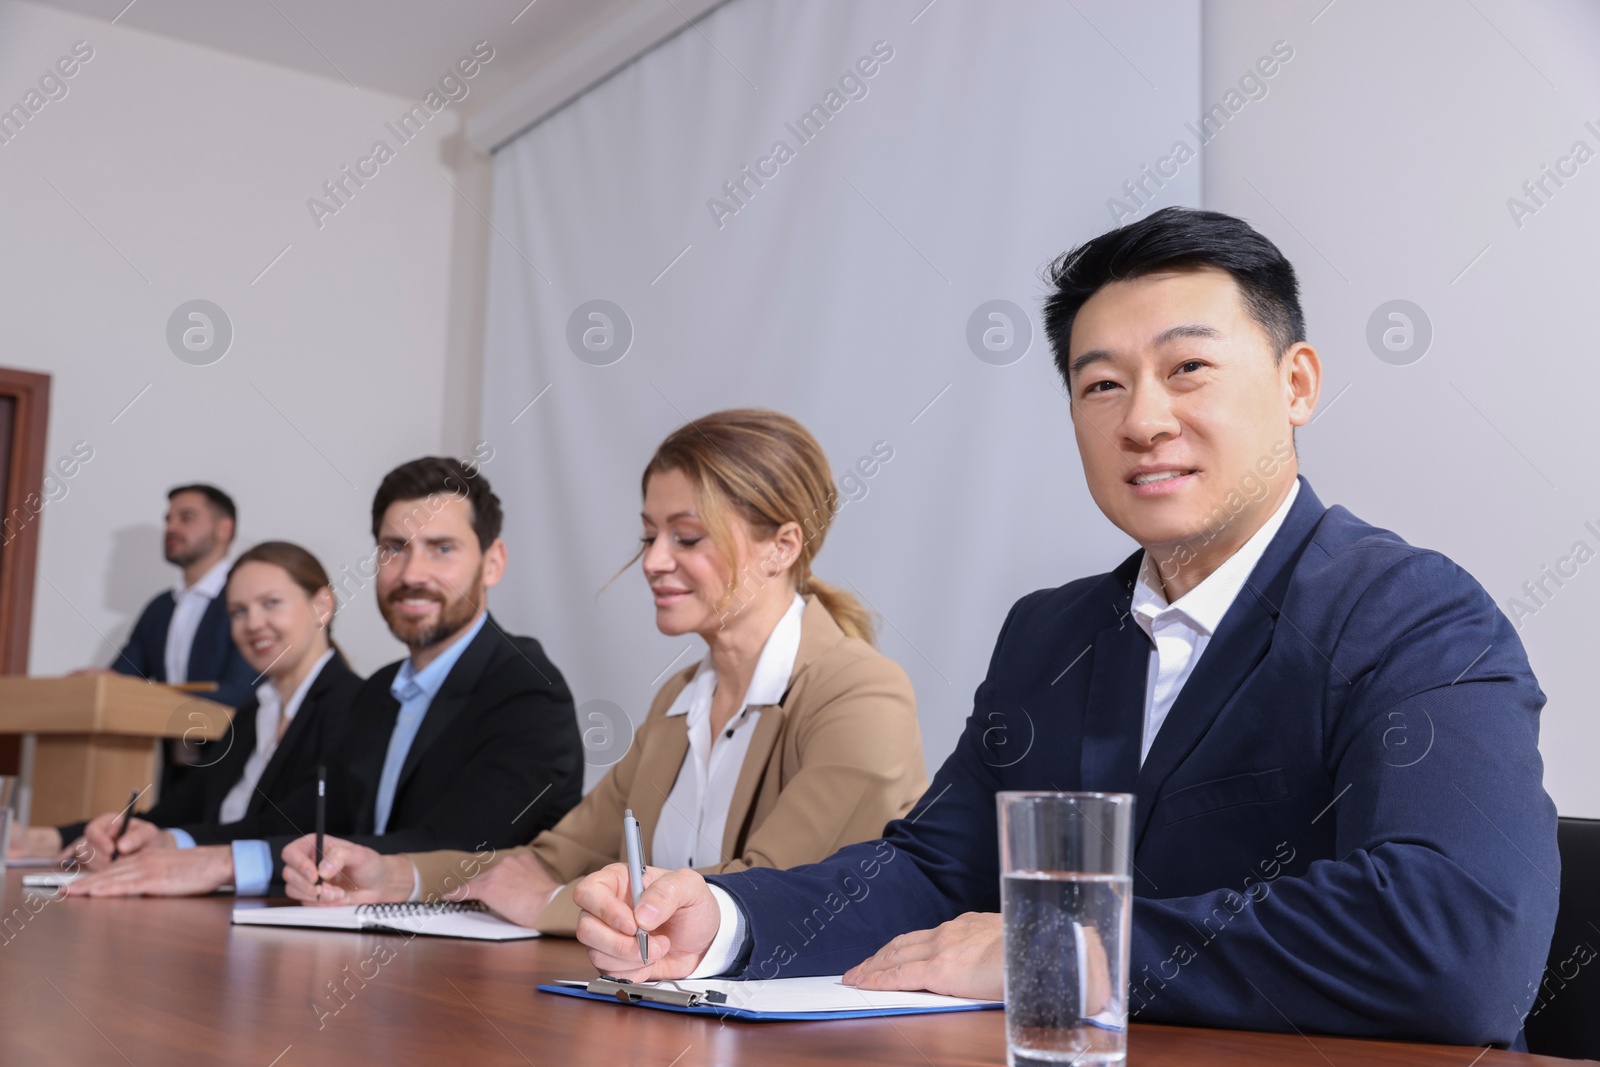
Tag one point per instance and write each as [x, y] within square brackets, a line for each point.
[415, 691]
[252, 860]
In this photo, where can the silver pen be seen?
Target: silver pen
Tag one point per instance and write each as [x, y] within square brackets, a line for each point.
[635, 847]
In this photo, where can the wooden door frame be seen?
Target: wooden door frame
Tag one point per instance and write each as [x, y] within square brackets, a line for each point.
[31, 391]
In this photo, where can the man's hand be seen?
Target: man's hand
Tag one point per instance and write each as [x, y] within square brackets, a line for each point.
[351, 873]
[676, 909]
[33, 843]
[517, 888]
[163, 872]
[965, 957]
[139, 835]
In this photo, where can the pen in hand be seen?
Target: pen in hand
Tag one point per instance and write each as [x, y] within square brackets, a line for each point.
[127, 820]
[630, 839]
[322, 819]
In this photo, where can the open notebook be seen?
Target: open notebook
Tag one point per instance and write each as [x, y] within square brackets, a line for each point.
[774, 1000]
[51, 879]
[444, 919]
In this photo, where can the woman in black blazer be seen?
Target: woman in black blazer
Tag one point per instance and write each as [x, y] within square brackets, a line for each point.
[259, 779]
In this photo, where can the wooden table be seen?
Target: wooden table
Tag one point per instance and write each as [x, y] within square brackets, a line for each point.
[156, 982]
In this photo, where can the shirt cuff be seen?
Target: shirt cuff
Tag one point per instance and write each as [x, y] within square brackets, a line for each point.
[252, 868]
[182, 838]
[728, 945]
[1081, 945]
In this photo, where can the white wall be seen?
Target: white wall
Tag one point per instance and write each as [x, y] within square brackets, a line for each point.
[1381, 162]
[1380, 158]
[187, 172]
[839, 294]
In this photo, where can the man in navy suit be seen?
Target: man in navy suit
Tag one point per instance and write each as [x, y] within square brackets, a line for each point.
[1332, 734]
[183, 635]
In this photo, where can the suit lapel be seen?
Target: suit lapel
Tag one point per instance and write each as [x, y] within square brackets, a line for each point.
[288, 753]
[205, 654]
[1233, 653]
[1241, 640]
[452, 696]
[162, 609]
[818, 633]
[768, 729]
[1114, 718]
[659, 767]
[230, 767]
[367, 744]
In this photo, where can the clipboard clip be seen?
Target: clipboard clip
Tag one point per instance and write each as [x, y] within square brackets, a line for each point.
[655, 992]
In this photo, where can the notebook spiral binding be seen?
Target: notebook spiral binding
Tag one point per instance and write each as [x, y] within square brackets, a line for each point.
[417, 909]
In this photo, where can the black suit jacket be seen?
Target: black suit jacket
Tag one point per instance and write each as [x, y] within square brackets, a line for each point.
[213, 658]
[284, 798]
[497, 758]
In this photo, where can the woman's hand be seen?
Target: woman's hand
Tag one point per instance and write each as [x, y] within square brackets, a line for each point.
[517, 888]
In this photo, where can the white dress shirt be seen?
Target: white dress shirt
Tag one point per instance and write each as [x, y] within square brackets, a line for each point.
[690, 830]
[191, 602]
[271, 720]
[1179, 632]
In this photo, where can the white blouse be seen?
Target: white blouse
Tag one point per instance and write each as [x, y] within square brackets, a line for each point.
[268, 716]
[695, 816]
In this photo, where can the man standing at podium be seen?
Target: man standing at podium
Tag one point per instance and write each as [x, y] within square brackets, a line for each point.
[183, 635]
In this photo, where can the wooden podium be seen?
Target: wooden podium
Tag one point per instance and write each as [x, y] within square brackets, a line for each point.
[96, 738]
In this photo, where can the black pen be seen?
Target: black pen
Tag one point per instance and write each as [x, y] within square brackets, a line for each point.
[322, 816]
[127, 820]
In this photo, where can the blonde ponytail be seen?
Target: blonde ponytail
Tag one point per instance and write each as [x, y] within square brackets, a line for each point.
[853, 618]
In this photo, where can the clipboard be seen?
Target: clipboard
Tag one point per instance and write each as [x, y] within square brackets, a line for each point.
[669, 993]
[812, 999]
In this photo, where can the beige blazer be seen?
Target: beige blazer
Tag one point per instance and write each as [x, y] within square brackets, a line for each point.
[829, 766]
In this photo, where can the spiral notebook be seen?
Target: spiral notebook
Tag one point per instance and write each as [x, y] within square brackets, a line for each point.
[469, 919]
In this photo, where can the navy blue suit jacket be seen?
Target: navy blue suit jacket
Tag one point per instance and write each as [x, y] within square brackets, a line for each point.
[213, 658]
[1340, 827]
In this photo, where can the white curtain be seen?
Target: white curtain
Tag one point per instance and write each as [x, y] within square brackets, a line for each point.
[936, 157]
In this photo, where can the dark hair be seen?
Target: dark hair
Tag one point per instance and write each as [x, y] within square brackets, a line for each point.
[304, 569]
[431, 476]
[1177, 237]
[220, 502]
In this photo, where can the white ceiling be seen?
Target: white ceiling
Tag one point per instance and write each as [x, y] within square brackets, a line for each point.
[404, 46]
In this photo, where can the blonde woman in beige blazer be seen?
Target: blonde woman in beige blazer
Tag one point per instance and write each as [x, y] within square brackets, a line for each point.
[792, 738]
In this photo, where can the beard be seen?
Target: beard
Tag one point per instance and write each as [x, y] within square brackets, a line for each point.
[417, 634]
[190, 552]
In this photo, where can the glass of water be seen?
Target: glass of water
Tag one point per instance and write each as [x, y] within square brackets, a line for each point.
[8, 785]
[1066, 903]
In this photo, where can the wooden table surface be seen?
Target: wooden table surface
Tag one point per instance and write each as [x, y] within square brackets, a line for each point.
[156, 982]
